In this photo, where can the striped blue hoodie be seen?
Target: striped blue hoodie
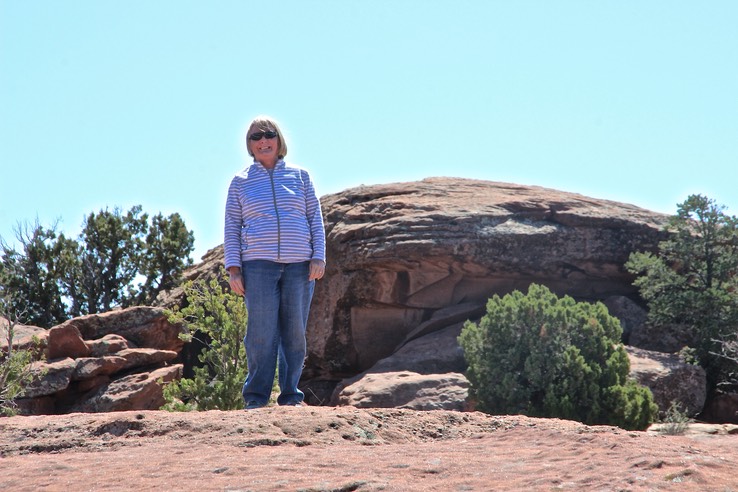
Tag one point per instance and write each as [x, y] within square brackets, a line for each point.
[273, 215]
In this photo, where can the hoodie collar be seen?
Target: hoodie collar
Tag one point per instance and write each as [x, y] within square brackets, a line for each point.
[279, 165]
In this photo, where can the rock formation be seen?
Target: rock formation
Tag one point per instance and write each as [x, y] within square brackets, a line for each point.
[406, 389]
[670, 380]
[100, 363]
[408, 264]
[400, 255]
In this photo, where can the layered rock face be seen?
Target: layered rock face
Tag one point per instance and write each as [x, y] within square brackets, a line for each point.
[401, 257]
[101, 363]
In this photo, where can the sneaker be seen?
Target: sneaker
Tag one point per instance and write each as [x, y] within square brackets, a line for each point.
[294, 404]
[254, 405]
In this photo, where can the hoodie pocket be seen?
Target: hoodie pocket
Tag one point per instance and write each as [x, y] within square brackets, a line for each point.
[244, 238]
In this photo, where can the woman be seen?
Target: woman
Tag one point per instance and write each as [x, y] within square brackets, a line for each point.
[274, 252]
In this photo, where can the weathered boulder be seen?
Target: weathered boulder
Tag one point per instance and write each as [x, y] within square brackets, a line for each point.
[433, 354]
[25, 337]
[141, 325]
[66, 341]
[124, 380]
[145, 357]
[90, 367]
[669, 379]
[50, 377]
[436, 353]
[399, 253]
[141, 391]
[109, 344]
[407, 390]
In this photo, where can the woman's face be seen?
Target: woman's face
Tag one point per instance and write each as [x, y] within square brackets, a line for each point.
[264, 149]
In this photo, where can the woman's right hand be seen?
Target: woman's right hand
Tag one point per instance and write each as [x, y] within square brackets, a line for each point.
[235, 279]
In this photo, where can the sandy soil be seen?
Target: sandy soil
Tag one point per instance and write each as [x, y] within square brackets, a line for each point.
[346, 449]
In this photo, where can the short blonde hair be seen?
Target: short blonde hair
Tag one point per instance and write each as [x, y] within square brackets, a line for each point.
[266, 124]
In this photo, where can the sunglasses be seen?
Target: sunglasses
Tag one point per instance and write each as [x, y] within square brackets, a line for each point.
[256, 136]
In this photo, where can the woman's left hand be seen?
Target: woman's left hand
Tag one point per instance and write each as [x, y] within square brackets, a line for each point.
[317, 269]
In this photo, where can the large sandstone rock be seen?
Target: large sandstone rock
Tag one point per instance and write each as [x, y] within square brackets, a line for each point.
[103, 362]
[25, 337]
[434, 355]
[399, 253]
[669, 379]
[142, 325]
[91, 367]
[407, 390]
[50, 377]
[407, 259]
[145, 357]
[142, 391]
[66, 341]
[108, 344]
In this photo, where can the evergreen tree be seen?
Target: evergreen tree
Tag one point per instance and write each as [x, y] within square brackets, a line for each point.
[693, 281]
[111, 245]
[168, 242]
[117, 260]
[29, 277]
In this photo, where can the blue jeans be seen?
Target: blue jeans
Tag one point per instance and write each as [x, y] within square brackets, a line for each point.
[278, 299]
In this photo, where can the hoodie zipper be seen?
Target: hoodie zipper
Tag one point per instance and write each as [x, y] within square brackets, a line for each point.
[276, 212]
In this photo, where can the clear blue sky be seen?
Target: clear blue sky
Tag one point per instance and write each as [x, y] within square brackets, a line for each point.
[107, 103]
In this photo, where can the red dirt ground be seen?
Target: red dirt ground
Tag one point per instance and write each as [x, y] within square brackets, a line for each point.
[346, 449]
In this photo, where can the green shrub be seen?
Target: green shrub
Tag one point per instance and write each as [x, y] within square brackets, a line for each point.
[219, 319]
[544, 356]
[15, 364]
[675, 421]
[14, 376]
